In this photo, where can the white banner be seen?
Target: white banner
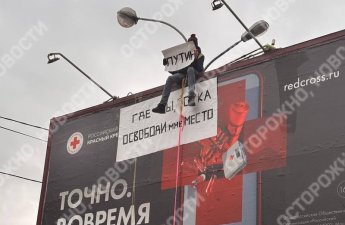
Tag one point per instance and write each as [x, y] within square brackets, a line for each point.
[179, 57]
[143, 132]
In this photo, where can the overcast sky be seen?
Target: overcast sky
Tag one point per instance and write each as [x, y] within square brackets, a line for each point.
[122, 60]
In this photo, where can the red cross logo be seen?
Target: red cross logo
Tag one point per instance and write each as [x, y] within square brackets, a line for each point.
[75, 142]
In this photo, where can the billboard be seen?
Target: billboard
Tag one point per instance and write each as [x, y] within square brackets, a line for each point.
[263, 146]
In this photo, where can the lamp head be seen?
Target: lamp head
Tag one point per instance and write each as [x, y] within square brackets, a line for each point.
[127, 17]
[216, 4]
[52, 58]
[256, 29]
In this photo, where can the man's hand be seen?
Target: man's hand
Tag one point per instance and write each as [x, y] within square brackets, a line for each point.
[165, 62]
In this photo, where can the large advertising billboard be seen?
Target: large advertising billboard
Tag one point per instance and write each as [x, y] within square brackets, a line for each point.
[264, 145]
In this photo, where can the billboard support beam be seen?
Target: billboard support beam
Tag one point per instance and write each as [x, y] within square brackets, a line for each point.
[52, 57]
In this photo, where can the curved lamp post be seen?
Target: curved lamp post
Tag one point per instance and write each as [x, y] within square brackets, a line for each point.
[53, 57]
[127, 17]
[217, 4]
[257, 29]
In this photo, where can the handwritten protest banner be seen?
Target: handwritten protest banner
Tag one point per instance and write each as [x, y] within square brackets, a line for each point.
[179, 57]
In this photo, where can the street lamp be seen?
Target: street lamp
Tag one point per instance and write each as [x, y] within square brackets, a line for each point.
[127, 17]
[216, 4]
[255, 30]
[53, 57]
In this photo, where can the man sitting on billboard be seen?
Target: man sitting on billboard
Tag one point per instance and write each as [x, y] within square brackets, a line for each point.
[192, 72]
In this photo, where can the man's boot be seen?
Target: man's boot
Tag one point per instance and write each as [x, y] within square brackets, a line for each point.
[159, 109]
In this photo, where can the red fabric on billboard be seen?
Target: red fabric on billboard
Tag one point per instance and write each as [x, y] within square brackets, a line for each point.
[268, 150]
[223, 205]
[229, 94]
[188, 170]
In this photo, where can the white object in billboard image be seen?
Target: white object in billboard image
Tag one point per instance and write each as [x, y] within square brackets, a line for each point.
[234, 160]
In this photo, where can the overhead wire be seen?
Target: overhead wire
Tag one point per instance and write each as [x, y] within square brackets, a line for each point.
[253, 55]
[20, 177]
[245, 55]
[21, 122]
[17, 132]
[27, 135]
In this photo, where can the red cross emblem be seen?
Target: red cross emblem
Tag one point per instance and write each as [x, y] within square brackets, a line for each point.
[75, 143]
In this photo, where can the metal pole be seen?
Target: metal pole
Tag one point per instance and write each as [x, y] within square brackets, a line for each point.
[87, 76]
[245, 27]
[222, 53]
[168, 24]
